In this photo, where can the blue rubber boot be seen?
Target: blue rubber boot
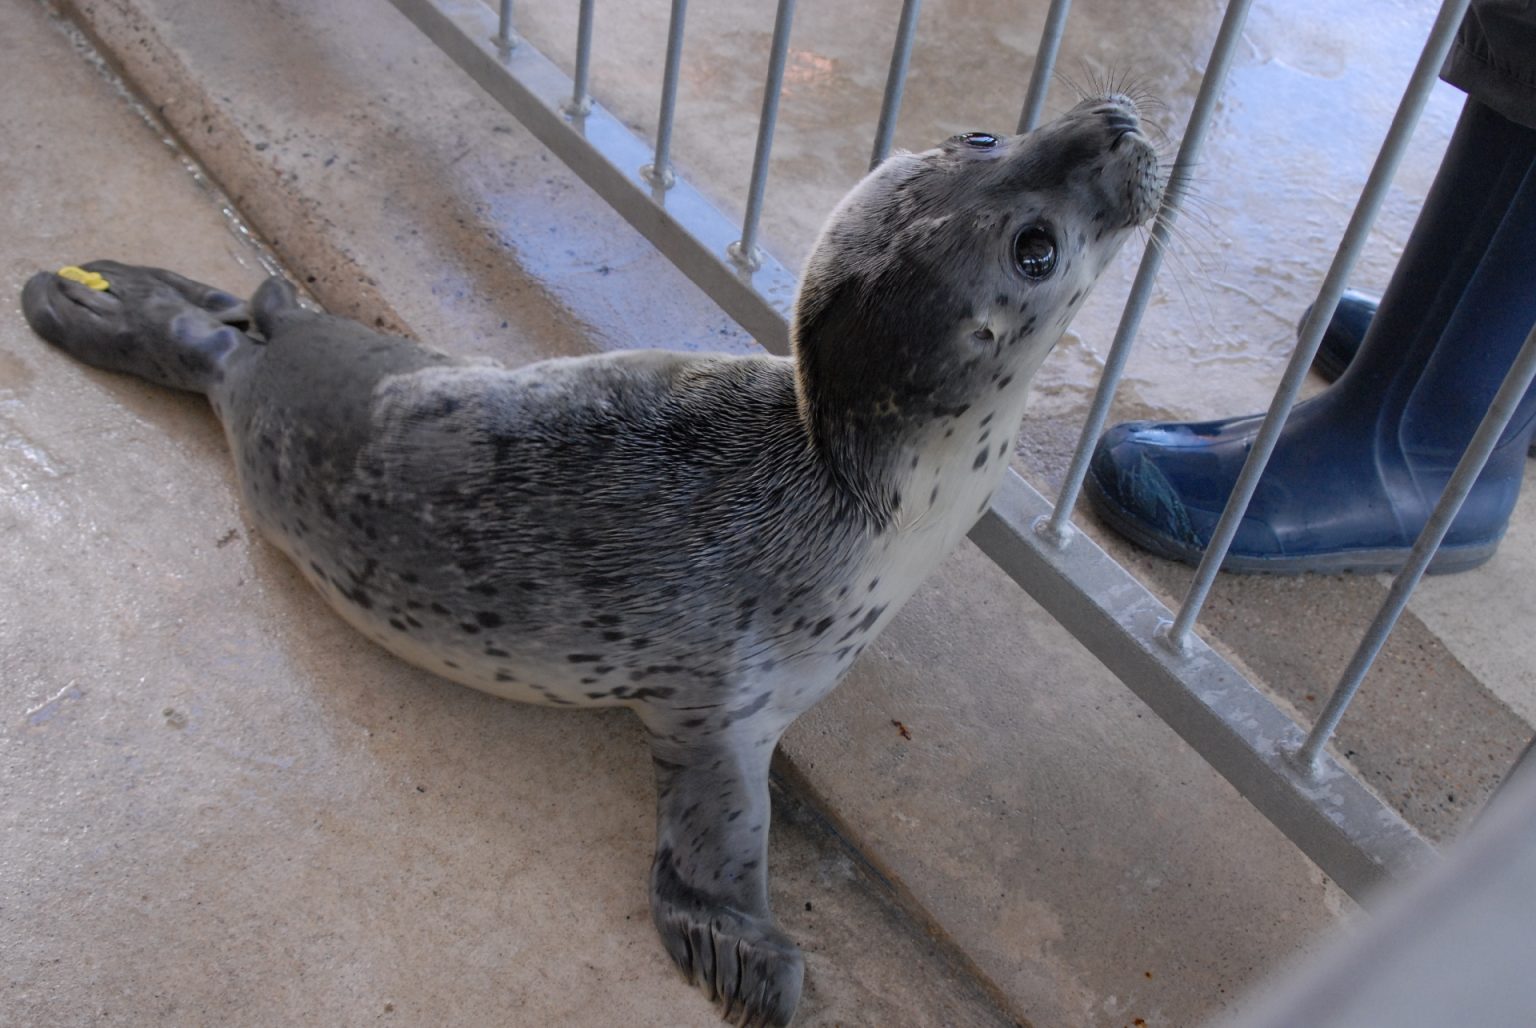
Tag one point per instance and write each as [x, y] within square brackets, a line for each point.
[1358, 468]
[1344, 334]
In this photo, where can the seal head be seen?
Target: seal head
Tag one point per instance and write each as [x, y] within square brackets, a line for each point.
[946, 272]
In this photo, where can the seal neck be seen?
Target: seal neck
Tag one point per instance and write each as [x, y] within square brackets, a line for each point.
[871, 393]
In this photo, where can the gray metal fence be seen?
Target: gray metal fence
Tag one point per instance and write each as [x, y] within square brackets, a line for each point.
[1280, 767]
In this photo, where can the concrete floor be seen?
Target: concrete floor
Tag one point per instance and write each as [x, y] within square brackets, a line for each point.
[225, 806]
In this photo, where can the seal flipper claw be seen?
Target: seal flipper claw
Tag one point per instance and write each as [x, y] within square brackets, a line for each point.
[743, 963]
[148, 322]
[709, 882]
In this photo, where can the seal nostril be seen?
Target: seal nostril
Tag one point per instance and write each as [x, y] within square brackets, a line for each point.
[1121, 120]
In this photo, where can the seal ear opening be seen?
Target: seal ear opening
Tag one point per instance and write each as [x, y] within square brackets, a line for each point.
[274, 299]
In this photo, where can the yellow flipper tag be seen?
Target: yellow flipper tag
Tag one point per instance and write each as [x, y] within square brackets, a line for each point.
[85, 278]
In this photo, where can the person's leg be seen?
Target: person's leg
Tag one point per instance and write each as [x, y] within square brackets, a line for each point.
[1358, 468]
[1344, 334]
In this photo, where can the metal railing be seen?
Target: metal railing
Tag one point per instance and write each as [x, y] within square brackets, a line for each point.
[1280, 768]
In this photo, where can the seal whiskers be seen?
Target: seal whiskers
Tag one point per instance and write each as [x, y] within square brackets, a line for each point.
[709, 541]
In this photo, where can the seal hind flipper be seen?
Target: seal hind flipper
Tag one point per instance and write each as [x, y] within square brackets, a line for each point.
[147, 322]
[274, 299]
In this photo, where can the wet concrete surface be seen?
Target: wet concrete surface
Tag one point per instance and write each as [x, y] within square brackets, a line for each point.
[1130, 881]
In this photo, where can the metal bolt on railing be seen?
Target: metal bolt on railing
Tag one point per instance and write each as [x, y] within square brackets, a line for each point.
[504, 39]
[659, 171]
[744, 251]
[581, 97]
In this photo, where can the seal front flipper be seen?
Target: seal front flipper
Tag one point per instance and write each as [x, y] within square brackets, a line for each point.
[709, 881]
[148, 322]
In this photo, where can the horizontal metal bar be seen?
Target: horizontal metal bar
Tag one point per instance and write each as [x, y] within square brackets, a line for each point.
[678, 221]
[1347, 830]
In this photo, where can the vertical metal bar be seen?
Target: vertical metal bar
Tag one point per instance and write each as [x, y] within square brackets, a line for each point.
[895, 81]
[504, 39]
[1045, 63]
[1510, 393]
[659, 171]
[744, 250]
[581, 98]
[1392, 150]
[1058, 528]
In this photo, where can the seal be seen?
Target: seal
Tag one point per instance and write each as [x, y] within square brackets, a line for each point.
[709, 541]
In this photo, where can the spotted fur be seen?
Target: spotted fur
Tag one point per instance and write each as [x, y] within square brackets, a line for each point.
[708, 541]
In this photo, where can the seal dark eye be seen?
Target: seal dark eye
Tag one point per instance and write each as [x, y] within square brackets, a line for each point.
[1034, 251]
[979, 140]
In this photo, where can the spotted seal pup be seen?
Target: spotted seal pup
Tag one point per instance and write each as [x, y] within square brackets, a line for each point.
[709, 541]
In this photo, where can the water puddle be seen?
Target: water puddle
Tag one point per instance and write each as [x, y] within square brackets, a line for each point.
[45, 712]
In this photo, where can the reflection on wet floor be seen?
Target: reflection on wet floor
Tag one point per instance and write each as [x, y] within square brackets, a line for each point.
[1309, 100]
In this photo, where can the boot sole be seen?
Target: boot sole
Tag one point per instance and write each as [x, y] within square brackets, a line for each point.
[1447, 560]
